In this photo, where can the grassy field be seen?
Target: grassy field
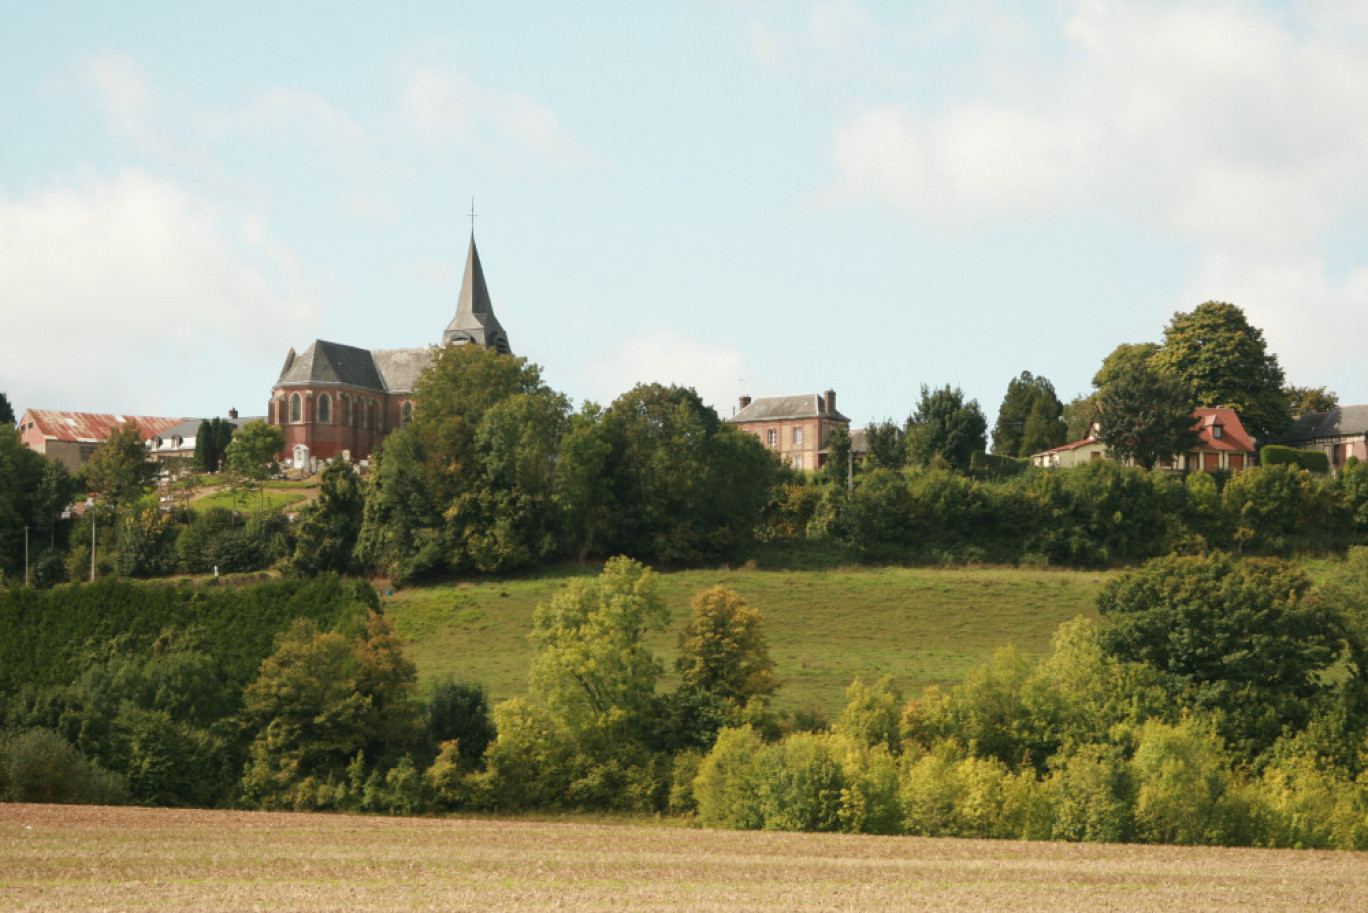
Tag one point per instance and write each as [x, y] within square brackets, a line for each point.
[85, 858]
[273, 497]
[920, 625]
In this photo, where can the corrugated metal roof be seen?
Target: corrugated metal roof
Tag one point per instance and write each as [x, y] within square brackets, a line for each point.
[90, 427]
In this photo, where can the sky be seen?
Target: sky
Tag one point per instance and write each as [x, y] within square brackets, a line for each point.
[760, 198]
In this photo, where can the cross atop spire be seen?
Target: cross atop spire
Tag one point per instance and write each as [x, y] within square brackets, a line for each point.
[472, 217]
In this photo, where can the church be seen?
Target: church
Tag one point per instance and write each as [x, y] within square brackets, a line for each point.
[337, 400]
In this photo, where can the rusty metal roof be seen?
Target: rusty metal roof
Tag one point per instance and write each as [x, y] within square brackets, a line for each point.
[90, 427]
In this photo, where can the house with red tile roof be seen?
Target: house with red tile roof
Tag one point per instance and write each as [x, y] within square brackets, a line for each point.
[1222, 444]
[73, 436]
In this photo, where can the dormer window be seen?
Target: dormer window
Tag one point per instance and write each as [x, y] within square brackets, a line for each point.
[1216, 431]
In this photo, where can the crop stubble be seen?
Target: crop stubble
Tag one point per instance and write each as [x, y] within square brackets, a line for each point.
[79, 857]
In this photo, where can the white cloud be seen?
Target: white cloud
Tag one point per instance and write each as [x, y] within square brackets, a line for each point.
[665, 356]
[282, 110]
[1315, 323]
[112, 288]
[124, 95]
[764, 45]
[1218, 123]
[445, 106]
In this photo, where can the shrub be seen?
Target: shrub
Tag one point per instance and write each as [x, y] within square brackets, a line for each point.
[727, 788]
[38, 765]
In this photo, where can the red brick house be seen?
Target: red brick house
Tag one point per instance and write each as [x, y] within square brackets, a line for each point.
[797, 427]
[1222, 444]
[340, 400]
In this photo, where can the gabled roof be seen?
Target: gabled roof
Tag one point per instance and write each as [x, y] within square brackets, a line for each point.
[774, 408]
[1233, 437]
[475, 321]
[90, 427]
[1065, 448]
[331, 363]
[1346, 421]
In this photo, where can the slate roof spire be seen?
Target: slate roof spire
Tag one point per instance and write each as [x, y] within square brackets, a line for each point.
[475, 321]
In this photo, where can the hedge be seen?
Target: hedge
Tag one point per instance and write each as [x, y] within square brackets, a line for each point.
[1310, 460]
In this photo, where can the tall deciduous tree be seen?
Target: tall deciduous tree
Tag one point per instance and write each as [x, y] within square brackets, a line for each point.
[1220, 359]
[722, 650]
[1030, 418]
[838, 464]
[21, 477]
[947, 427]
[119, 470]
[1145, 416]
[1121, 359]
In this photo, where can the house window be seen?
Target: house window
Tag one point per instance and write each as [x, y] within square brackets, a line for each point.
[325, 408]
[797, 437]
[296, 408]
[797, 461]
[773, 437]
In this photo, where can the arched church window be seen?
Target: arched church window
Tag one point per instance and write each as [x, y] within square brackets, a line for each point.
[325, 408]
[296, 408]
[347, 405]
[407, 415]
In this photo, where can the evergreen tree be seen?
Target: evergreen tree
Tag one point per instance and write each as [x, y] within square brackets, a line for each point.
[1030, 418]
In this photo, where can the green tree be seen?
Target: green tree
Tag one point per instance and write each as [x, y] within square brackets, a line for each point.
[945, 427]
[1079, 416]
[321, 699]
[685, 484]
[1220, 359]
[22, 478]
[1145, 416]
[211, 442]
[1305, 400]
[1123, 359]
[722, 650]
[583, 734]
[837, 469]
[1235, 638]
[583, 489]
[251, 457]
[1029, 419]
[119, 470]
[6, 411]
[328, 528]
[884, 446]
[425, 468]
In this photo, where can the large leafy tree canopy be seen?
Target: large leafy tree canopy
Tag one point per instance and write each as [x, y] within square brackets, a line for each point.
[945, 427]
[22, 473]
[1237, 637]
[1030, 418]
[1305, 400]
[722, 650]
[1221, 360]
[1145, 416]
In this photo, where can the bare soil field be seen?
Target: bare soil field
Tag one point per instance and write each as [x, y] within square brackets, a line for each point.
[91, 858]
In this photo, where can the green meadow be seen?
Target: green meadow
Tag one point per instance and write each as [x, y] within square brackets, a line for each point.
[923, 626]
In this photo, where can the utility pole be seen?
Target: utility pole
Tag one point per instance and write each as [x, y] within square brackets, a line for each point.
[90, 505]
[26, 558]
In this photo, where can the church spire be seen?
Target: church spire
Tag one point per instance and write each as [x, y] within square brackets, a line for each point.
[475, 321]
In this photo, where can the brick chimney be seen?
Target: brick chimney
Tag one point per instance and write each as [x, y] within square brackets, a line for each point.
[232, 413]
[830, 401]
[745, 401]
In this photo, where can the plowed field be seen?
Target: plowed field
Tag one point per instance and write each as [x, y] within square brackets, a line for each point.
[85, 858]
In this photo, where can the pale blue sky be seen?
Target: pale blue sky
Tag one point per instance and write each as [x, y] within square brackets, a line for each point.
[762, 198]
